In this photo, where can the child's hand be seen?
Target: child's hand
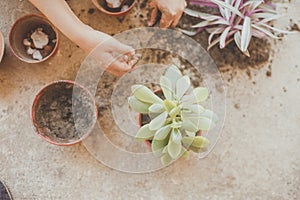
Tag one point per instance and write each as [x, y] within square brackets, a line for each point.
[171, 12]
[118, 58]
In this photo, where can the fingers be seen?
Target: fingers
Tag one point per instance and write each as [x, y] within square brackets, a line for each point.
[153, 16]
[177, 19]
[166, 21]
[118, 47]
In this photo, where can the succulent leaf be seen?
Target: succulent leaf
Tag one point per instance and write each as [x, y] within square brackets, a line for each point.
[210, 114]
[199, 94]
[156, 108]
[173, 74]
[174, 112]
[145, 95]
[158, 146]
[166, 87]
[162, 133]
[145, 133]
[182, 85]
[187, 141]
[166, 159]
[200, 142]
[158, 121]
[137, 105]
[174, 149]
[169, 105]
[176, 136]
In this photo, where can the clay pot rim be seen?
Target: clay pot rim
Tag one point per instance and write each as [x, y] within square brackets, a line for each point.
[2, 47]
[116, 14]
[47, 22]
[36, 100]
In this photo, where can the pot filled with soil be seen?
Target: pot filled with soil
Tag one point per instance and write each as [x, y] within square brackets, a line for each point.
[116, 8]
[33, 39]
[64, 113]
[2, 46]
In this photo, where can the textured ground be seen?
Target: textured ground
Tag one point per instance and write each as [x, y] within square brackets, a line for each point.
[257, 156]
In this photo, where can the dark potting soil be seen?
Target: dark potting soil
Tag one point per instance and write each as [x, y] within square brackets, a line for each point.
[55, 115]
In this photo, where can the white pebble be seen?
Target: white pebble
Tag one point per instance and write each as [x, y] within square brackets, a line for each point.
[37, 55]
[30, 51]
[26, 42]
[39, 38]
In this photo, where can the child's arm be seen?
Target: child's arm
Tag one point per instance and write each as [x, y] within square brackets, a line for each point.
[60, 14]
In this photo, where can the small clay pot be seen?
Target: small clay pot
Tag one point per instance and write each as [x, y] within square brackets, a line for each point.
[39, 107]
[20, 30]
[102, 6]
[2, 46]
[148, 142]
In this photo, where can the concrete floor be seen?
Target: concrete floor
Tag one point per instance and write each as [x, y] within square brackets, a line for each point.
[257, 156]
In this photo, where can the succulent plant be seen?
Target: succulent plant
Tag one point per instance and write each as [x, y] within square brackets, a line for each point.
[236, 20]
[175, 120]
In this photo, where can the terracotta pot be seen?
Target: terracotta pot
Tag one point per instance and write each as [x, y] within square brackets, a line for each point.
[19, 32]
[2, 46]
[42, 132]
[101, 5]
[148, 142]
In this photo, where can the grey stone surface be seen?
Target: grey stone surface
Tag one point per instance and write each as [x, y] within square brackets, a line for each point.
[257, 156]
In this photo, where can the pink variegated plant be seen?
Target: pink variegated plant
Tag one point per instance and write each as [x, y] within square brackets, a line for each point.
[236, 20]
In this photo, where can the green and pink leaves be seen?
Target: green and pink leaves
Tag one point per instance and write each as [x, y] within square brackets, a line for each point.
[237, 20]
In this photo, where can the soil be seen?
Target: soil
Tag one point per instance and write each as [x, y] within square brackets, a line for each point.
[54, 113]
[260, 49]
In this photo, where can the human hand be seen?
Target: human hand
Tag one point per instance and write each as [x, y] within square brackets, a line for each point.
[171, 11]
[112, 55]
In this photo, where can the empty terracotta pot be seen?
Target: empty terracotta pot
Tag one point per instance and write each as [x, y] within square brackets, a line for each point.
[2, 46]
[102, 6]
[24, 26]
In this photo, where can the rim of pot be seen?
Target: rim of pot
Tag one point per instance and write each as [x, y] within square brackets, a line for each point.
[36, 100]
[46, 21]
[2, 47]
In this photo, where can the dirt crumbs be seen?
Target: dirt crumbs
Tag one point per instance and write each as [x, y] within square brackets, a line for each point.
[56, 117]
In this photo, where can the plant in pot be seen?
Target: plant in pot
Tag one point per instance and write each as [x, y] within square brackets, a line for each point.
[234, 20]
[33, 39]
[64, 113]
[116, 8]
[172, 118]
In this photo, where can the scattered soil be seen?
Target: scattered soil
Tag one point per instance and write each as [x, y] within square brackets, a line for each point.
[55, 117]
[91, 10]
[260, 49]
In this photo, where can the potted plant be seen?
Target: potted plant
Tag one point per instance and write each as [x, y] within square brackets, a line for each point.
[234, 20]
[33, 39]
[64, 113]
[116, 8]
[175, 116]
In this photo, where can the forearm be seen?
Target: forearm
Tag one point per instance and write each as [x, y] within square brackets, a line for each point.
[60, 14]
